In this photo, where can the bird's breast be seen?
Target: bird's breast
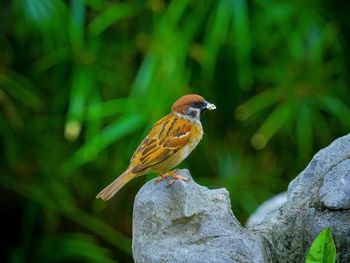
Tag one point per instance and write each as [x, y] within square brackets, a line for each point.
[179, 156]
[197, 134]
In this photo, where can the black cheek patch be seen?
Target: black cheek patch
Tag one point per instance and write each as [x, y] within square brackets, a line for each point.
[193, 114]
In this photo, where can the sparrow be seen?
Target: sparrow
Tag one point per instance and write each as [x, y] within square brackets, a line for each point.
[168, 143]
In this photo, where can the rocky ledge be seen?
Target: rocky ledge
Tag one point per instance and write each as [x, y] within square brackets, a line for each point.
[190, 223]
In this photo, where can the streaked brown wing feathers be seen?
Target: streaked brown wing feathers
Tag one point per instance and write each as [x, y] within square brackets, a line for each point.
[166, 137]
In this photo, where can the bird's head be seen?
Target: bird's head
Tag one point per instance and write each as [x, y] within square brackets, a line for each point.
[192, 105]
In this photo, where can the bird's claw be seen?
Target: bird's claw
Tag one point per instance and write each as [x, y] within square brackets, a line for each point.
[178, 177]
[160, 178]
[175, 176]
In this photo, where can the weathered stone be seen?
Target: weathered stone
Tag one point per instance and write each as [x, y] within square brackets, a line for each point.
[335, 190]
[190, 223]
[319, 197]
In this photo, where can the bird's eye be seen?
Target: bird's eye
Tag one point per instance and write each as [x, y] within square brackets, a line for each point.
[196, 104]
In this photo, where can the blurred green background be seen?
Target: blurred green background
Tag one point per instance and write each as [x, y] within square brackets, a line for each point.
[82, 82]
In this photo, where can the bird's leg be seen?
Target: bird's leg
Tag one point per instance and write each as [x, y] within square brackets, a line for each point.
[164, 176]
[161, 178]
[175, 176]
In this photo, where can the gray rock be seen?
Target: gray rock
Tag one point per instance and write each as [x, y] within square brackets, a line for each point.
[319, 197]
[335, 190]
[190, 223]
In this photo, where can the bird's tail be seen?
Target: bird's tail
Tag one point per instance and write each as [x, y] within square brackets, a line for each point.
[108, 192]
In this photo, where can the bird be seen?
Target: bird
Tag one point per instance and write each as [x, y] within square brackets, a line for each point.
[169, 142]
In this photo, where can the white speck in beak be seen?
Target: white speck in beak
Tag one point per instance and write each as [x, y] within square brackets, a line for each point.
[210, 106]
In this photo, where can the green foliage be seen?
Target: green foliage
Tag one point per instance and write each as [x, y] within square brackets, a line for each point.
[322, 249]
[82, 81]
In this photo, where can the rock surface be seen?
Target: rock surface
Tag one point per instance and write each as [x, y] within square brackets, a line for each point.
[190, 223]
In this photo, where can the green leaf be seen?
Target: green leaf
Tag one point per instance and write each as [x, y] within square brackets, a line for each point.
[337, 107]
[113, 132]
[110, 16]
[82, 84]
[49, 200]
[257, 103]
[40, 11]
[76, 26]
[73, 247]
[216, 35]
[242, 42]
[109, 108]
[22, 89]
[144, 76]
[304, 132]
[94, 126]
[322, 249]
[272, 124]
[191, 25]
[174, 12]
[51, 59]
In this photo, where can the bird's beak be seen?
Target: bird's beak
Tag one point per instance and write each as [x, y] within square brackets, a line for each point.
[210, 106]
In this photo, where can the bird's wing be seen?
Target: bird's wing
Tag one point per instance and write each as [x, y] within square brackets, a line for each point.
[167, 137]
